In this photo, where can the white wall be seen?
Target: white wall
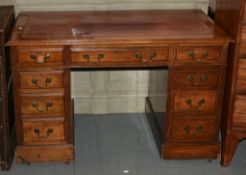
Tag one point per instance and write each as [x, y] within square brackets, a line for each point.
[31, 5]
[110, 91]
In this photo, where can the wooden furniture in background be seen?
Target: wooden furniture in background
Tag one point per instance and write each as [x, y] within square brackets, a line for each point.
[7, 137]
[231, 16]
[46, 46]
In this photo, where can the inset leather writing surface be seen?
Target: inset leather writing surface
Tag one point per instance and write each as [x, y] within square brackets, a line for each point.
[181, 24]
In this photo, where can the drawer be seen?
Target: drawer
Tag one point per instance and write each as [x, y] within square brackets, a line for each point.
[239, 112]
[47, 153]
[35, 105]
[196, 79]
[92, 55]
[41, 80]
[241, 75]
[193, 129]
[43, 131]
[40, 55]
[195, 101]
[202, 54]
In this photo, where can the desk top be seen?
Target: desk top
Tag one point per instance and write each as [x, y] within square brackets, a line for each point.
[114, 27]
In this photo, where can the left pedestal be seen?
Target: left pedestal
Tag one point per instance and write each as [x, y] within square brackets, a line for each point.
[44, 119]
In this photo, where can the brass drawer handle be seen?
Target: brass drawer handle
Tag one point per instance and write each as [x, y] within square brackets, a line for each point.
[199, 105]
[202, 82]
[47, 82]
[138, 55]
[196, 131]
[35, 105]
[153, 55]
[48, 133]
[86, 56]
[40, 59]
[100, 55]
[191, 53]
[204, 55]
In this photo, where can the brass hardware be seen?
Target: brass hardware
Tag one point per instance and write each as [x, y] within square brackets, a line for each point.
[153, 55]
[33, 56]
[145, 61]
[204, 55]
[40, 59]
[100, 56]
[138, 55]
[189, 102]
[49, 104]
[35, 82]
[49, 131]
[190, 77]
[47, 81]
[86, 56]
[199, 104]
[204, 78]
[20, 28]
[196, 131]
[191, 53]
[202, 81]
[37, 132]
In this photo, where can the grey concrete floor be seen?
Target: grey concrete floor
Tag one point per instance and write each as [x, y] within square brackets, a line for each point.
[120, 144]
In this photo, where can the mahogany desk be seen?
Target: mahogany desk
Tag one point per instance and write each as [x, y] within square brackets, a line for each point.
[45, 46]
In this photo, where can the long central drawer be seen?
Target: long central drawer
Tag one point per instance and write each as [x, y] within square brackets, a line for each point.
[104, 55]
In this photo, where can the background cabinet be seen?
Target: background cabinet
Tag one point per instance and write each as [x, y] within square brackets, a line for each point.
[231, 15]
[6, 101]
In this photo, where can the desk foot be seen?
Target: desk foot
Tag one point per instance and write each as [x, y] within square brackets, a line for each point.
[190, 151]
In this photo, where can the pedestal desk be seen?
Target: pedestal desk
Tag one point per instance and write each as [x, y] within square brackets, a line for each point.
[45, 46]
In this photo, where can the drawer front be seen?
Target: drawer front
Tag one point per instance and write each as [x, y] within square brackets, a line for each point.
[41, 80]
[48, 153]
[191, 129]
[43, 131]
[206, 54]
[42, 105]
[239, 112]
[40, 56]
[85, 55]
[195, 101]
[196, 79]
[241, 75]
